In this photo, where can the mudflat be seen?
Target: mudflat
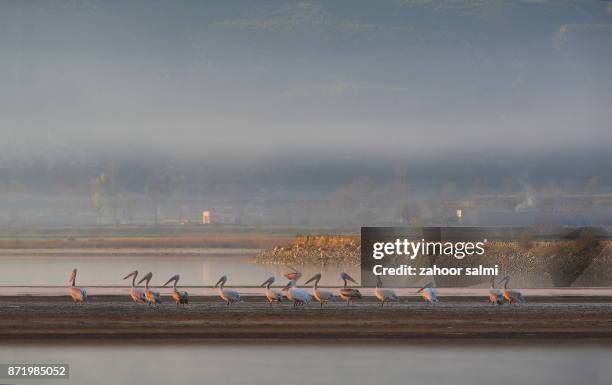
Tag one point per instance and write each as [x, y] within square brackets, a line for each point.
[206, 317]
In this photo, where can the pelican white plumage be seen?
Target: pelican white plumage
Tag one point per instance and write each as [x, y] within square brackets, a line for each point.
[294, 275]
[152, 297]
[227, 295]
[136, 293]
[429, 292]
[322, 296]
[298, 296]
[512, 296]
[78, 295]
[271, 294]
[384, 295]
[179, 296]
[496, 297]
[348, 294]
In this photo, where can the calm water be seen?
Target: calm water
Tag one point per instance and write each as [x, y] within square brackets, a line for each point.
[107, 268]
[335, 363]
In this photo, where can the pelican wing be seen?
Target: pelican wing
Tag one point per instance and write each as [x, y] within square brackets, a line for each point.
[347, 293]
[78, 295]
[385, 294]
[431, 294]
[273, 295]
[230, 295]
[137, 295]
[300, 295]
[323, 295]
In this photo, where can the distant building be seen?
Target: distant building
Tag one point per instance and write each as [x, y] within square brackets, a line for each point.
[206, 217]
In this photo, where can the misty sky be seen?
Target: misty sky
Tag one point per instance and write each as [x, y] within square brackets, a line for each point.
[226, 78]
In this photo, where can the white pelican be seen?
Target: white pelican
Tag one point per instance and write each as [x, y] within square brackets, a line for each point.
[271, 294]
[78, 295]
[136, 293]
[298, 296]
[512, 296]
[227, 295]
[152, 297]
[323, 296]
[179, 296]
[495, 295]
[429, 293]
[348, 294]
[294, 275]
[384, 295]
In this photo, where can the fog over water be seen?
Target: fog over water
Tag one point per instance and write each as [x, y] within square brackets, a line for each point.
[318, 108]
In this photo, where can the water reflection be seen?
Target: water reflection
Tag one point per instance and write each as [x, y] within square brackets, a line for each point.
[201, 267]
[330, 363]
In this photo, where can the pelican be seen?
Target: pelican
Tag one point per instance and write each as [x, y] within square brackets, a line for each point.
[384, 294]
[152, 297]
[78, 295]
[271, 295]
[298, 296]
[512, 296]
[429, 293]
[227, 295]
[294, 275]
[495, 295]
[323, 296]
[179, 296]
[347, 293]
[136, 293]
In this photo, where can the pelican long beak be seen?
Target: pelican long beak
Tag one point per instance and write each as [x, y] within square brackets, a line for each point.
[348, 278]
[131, 274]
[175, 278]
[146, 278]
[222, 279]
[287, 286]
[72, 275]
[267, 281]
[425, 287]
[314, 278]
[506, 278]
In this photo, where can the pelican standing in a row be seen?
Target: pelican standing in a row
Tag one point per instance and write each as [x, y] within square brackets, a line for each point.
[384, 295]
[179, 296]
[296, 295]
[322, 296]
[429, 292]
[78, 295]
[152, 297]
[227, 295]
[271, 294]
[348, 294]
[496, 297]
[136, 293]
[512, 296]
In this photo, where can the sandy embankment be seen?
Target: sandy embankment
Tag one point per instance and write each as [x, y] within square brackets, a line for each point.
[113, 317]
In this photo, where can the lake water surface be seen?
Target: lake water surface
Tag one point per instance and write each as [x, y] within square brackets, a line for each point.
[325, 363]
[45, 272]
[197, 267]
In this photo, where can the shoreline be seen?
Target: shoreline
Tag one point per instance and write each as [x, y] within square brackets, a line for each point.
[583, 320]
[407, 293]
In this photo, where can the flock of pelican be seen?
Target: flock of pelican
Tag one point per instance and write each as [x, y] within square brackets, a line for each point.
[291, 291]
